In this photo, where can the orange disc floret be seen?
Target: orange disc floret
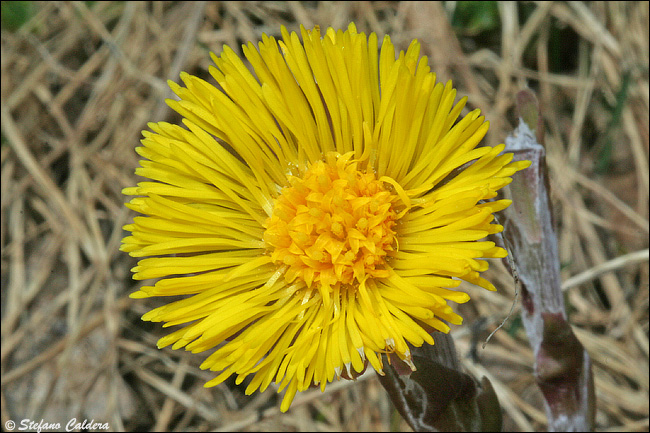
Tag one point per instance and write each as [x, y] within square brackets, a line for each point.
[333, 225]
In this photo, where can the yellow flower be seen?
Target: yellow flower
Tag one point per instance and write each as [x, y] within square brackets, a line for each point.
[319, 212]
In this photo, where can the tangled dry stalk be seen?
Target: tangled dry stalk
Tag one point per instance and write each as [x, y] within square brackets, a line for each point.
[81, 79]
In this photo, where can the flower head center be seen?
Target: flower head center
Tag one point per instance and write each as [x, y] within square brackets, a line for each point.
[333, 225]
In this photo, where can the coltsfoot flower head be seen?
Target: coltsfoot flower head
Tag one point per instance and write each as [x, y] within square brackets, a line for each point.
[320, 211]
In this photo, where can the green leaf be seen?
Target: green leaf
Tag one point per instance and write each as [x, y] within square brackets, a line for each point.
[16, 13]
[476, 17]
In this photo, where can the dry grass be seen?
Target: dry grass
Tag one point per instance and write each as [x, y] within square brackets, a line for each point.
[80, 82]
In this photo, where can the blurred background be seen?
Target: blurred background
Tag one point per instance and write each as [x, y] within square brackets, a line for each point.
[80, 80]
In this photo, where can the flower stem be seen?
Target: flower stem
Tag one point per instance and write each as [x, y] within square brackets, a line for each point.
[562, 366]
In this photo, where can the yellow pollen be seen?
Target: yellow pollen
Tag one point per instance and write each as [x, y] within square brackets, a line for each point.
[333, 226]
